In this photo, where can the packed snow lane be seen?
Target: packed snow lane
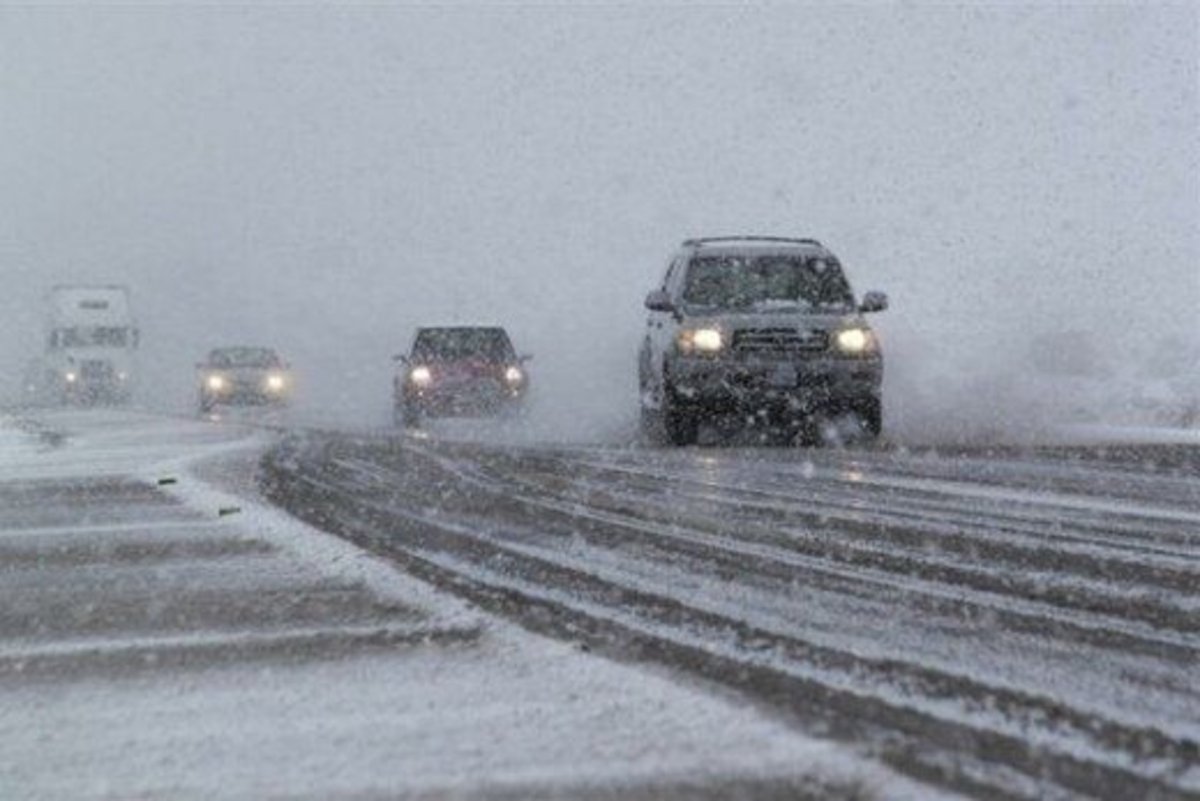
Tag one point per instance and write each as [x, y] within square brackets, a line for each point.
[1003, 624]
[163, 634]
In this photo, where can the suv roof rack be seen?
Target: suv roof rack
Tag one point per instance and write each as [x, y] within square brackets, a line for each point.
[782, 239]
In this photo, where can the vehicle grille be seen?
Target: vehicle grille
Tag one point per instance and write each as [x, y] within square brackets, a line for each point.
[96, 371]
[780, 340]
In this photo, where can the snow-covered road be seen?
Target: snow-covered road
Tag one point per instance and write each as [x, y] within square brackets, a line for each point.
[165, 634]
[1001, 623]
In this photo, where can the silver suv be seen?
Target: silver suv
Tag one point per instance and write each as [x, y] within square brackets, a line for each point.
[757, 326]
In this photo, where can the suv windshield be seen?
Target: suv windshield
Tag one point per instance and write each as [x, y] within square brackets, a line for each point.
[243, 357]
[767, 283]
[456, 344]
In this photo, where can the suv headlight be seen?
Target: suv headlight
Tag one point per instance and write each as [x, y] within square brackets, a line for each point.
[856, 341]
[701, 340]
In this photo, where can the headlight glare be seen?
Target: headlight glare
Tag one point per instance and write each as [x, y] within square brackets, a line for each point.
[275, 382]
[216, 382]
[855, 341]
[701, 340]
[513, 375]
[420, 376]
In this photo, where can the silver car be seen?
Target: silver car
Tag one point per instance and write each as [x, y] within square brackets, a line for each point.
[243, 376]
[761, 327]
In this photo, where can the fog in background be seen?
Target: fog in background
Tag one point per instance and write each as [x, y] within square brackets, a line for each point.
[323, 180]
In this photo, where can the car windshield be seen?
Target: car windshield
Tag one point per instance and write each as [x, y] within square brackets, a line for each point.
[766, 283]
[458, 344]
[243, 357]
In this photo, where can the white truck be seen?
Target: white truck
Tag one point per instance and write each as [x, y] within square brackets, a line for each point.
[90, 347]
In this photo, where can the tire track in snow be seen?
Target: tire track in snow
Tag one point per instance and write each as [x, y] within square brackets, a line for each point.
[489, 561]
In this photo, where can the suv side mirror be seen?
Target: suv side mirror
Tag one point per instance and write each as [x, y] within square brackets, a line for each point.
[873, 302]
[659, 301]
[525, 357]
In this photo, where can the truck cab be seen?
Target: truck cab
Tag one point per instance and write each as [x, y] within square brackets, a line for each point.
[90, 346]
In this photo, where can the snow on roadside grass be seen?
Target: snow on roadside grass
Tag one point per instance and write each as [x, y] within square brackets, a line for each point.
[96, 443]
[333, 555]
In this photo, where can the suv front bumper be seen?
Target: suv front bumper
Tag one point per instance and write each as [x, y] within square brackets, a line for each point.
[799, 385]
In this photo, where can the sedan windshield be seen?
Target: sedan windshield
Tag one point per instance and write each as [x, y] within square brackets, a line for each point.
[460, 344]
[766, 283]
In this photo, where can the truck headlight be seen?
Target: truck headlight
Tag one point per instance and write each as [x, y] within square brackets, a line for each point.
[855, 341]
[701, 340]
[275, 382]
[215, 382]
[420, 376]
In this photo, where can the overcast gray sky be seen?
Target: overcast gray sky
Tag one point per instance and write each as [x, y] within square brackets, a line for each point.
[325, 179]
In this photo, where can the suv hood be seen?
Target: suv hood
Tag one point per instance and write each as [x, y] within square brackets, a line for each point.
[823, 321]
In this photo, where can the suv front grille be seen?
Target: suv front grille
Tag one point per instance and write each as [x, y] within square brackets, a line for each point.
[780, 340]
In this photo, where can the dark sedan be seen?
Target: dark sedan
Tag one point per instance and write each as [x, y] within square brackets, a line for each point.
[463, 371]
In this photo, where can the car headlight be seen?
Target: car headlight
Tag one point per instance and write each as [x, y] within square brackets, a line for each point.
[514, 376]
[701, 340]
[71, 378]
[215, 382]
[855, 341]
[420, 376]
[275, 382]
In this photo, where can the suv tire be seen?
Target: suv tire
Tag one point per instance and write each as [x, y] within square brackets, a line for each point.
[681, 425]
[406, 416]
[650, 425]
[870, 411]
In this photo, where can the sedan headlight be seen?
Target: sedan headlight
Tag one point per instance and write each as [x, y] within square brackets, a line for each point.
[216, 382]
[701, 340]
[420, 376]
[276, 382]
[855, 341]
